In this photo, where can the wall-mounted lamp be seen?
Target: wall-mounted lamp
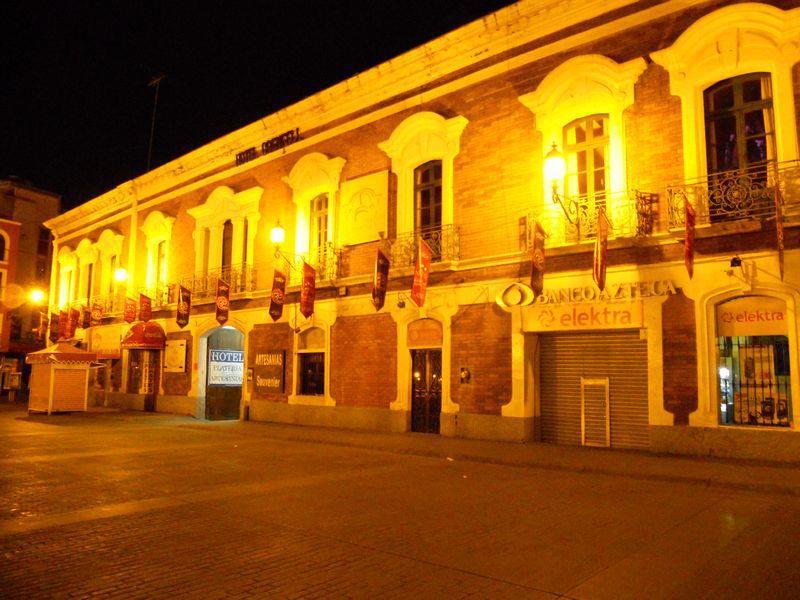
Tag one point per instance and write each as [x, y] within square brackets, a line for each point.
[277, 235]
[554, 170]
[120, 275]
[36, 296]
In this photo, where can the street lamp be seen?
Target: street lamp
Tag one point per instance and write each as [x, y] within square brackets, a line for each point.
[277, 235]
[36, 296]
[120, 275]
[554, 170]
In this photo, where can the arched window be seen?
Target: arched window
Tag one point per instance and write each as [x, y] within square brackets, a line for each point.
[428, 196]
[311, 362]
[319, 226]
[739, 124]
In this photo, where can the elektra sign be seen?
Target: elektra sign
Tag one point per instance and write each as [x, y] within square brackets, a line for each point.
[225, 367]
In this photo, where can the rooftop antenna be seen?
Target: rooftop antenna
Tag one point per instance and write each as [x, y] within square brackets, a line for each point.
[154, 82]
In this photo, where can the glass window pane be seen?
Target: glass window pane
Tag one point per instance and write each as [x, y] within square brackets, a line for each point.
[582, 184]
[598, 126]
[754, 122]
[723, 138]
[437, 171]
[757, 150]
[599, 157]
[581, 160]
[580, 133]
[599, 180]
[751, 90]
[722, 98]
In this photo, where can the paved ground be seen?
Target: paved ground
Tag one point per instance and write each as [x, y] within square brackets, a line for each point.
[152, 506]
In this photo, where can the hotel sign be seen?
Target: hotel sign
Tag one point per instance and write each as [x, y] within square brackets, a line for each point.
[268, 372]
[225, 367]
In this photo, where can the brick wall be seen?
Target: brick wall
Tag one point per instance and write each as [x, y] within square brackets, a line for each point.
[679, 346]
[481, 342]
[179, 384]
[269, 337]
[364, 361]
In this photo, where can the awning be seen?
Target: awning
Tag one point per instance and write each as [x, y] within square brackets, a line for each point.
[144, 336]
[61, 352]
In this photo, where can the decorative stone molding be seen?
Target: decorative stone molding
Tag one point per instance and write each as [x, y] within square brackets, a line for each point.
[314, 174]
[420, 138]
[224, 204]
[735, 40]
[364, 208]
[583, 86]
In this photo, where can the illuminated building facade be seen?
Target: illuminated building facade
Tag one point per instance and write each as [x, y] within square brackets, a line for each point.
[548, 113]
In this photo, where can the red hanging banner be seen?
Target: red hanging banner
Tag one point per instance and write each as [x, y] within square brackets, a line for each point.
[537, 259]
[97, 315]
[72, 322]
[421, 270]
[308, 290]
[145, 308]
[130, 310]
[278, 295]
[184, 307]
[380, 280]
[223, 301]
[86, 317]
[58, 323]
[601, 250]
[779, 228]
[690, 220]
[44, 321]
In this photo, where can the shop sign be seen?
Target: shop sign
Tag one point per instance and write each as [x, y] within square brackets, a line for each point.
[225, 367]
[750, 316]
[268, 372]
[572, 317]
[520, 294]
[175, 356]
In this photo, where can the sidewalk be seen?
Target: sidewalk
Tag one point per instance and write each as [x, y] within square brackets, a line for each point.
[774, 478]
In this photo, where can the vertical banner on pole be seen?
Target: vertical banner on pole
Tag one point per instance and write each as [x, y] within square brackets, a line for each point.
[308, 290]
[222, 301]
[184, 307]
[690, 220]
[58, 322]
[145, 308]
[779, 228]
[601, 250]
[278, 295]
[380, 280]
[97, 314]
[421, 270]
[86, 317]
[130, 310]
[72, 322]
[537, 259]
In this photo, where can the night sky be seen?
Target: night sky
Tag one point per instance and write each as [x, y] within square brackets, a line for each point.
[76, 106]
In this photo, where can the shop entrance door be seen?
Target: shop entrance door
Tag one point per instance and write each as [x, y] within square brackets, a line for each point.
[143, 371]
[426, 390]
[224, 374]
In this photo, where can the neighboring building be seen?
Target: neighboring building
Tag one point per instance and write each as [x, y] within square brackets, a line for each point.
[25, 260]
[651, 104]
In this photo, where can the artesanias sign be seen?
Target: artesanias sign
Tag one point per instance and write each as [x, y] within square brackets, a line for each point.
[268, 372]
[571, 317]
[225, 367]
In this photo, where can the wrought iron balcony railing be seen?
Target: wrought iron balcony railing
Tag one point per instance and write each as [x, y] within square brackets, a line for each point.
[444, 242]
[631, 214]
[241, 278]
[746, 194]
[160, 295]
[325, 260]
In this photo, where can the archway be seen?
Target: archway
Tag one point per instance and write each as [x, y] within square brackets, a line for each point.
[222, 352]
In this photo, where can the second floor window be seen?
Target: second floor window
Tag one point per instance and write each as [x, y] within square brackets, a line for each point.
[586, 155]
[739, 123]
[428, 196]
[319, 225]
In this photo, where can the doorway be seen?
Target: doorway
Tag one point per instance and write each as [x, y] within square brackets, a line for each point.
[224, 373]
[426, 390]
[143, 375]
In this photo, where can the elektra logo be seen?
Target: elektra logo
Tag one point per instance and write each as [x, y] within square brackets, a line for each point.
[751, 316]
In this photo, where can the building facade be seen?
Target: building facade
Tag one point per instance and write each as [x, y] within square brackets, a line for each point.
[646, 107]
[25, 261]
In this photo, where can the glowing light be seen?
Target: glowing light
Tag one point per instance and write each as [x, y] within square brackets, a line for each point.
[724, 373]
[277, 235]
[554, 166]
[120, 274]
[36, 296]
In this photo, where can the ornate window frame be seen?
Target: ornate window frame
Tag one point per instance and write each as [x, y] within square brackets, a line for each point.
[312, 175]
[224, 204]
[422, 137]
[87, 255]
[109, 245]
[157, 228]
[67, 276]
[734, 40]
[581, 86]
[324, 324]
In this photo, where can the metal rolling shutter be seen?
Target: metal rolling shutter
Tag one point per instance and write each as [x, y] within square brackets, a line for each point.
[620, 356]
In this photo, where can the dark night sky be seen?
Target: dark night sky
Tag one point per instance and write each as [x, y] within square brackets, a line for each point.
[75, 104]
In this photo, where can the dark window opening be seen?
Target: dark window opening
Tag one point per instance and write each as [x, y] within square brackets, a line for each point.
[312, 373]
